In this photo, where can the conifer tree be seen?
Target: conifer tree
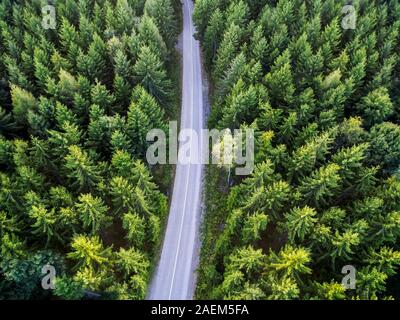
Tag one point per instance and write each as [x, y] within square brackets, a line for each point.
[162, 12]
[376, 106]
[92, 211]
[22, 102]
[80, 169]
[135, 228]
[88, 251]
[299, 223]
[150, 73]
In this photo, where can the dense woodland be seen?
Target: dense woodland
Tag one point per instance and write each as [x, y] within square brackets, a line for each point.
[324, 102]
[76, 103]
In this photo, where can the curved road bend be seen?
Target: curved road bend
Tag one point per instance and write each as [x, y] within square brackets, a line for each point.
[175, 276]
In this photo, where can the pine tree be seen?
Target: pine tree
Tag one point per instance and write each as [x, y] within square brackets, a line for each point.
[120, 141]
[150, 73]
[241, 106]
[12, 246]
[376, 106]
[386, 260]
[69, 40]
[343, 244]
[8, 224]
[148, 104]
[15, 74]
[93, 212]
[92, 279]
[88, 251]
[253, 226]
[202, 13]
[350, 161]
[269, 199]
[138, 124]
[290, 261]
[66, 87]
[306, 64]
[121, 164]
[227, 50]
[305, 158]
[323, 184]
[122, 65]
[162, 12]
[246, 259]
[280, 80]
[44, 222]
[42, 71]
[101, 96]
[259, 45]
[141, 176]
[284, 288]
[135, 228]
[122, 91]
[22, 102]
[385, 145]
[330, 291]
[121, 194]
[231, 76]
[122, 17]
[96, 63]
[299, 223]
[149, 36]
[7, 123]
[132, 261]
[84, 175]
[370, 282]
[138, 287]
[61, 141]
[213, 36]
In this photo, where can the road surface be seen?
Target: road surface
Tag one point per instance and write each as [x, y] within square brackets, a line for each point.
[174, 278]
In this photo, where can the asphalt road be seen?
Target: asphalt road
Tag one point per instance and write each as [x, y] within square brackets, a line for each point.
[175, 277]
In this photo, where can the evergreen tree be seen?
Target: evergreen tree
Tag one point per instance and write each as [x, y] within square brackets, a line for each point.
[22, 102]
[162, 12]
[385, 145]
[135, 227]
[80, 169]
[132, 261]
[300, 222]
[150, 73]
[149, 36]
[88, 251]
[321, 185]
[280, 80]
[44, 221]
[93, 212]
[212, 36]
[290, 261]
[376, 106]
[253, 226]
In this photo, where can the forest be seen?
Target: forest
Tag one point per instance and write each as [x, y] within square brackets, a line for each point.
[324, 102]
[82, 82]
[76, 103]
